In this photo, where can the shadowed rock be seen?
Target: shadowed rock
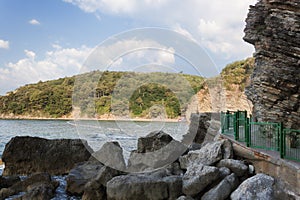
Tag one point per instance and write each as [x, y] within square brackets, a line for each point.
[156, 150]
[236, 166]
[37, 185]
[80, 175]
[111, 154]
[28, 155]
[96, 187]
[273, 28]
[223, 189]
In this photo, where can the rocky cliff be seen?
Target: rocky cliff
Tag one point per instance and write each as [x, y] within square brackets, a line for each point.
[273, 27]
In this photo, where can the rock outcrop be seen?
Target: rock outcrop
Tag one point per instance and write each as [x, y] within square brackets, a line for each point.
[273, 27]
[28, 155]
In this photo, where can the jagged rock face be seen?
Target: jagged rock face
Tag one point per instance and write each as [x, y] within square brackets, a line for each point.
[273, 27]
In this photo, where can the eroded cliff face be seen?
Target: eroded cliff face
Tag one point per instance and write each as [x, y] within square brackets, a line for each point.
[273, 27]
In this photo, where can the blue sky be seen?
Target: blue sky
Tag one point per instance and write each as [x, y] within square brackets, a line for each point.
[43, 40]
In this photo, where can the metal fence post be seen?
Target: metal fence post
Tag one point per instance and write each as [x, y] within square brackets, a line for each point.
[247, 134]
[282, 140]
[236, 125]
[222, 122]
[279, 136]
[227, 119]
[250, 129]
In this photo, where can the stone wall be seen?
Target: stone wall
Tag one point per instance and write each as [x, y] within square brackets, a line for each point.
[273, 27]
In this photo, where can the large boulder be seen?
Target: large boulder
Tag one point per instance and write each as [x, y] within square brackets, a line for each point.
[142, 186]
[96, 187]
[198, 177]
[27, 155]
[259, 186]
[236, 166]
[223, 189]
[80, 175]
[209, 154]
[154, 151]
[153, 142]
[197, 128]
[111, 154]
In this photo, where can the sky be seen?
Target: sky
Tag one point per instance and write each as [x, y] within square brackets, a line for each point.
[49, 39]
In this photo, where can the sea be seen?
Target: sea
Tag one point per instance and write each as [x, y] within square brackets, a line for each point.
[95, 132]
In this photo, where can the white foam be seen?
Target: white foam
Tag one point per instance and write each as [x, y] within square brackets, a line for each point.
[1, 169]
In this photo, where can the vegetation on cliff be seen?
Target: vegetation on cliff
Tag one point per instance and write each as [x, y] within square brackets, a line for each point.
[100, 93]
[237, 73]
[54, 98]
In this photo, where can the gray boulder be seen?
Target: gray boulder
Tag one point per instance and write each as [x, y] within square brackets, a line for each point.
[207, 155]
[227, 149]
[154, 151]
[198, 128]
[142, 186]
[111, 154]
[198, 177]
[96, 187]
[236, 166]
[259, 186]
[224, 171]
[56, 157]
[223, 189]
[153, 142]
[80, 175]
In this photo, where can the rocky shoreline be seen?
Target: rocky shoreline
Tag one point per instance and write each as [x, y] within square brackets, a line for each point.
[207, 169]
[95, 119]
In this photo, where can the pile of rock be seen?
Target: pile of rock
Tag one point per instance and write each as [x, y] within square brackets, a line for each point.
[207, 172]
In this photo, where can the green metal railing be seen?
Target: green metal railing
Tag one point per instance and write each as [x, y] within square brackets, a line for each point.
[264, 135]
[291, 144]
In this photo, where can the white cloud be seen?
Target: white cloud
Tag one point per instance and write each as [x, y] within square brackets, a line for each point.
[217, 25]
[34, 22]
[55, 64]
[61, 62]
[29, 54]
[128, 54]
[119, 6]
[4, 44]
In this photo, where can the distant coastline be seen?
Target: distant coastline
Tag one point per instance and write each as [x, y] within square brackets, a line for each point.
[3, 117]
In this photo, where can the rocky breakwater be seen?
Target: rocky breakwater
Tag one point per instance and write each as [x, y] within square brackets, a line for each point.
[209, 170]
[273, 27]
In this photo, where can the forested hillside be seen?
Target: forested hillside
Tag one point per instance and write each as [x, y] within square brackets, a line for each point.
[54, 98]
[101, 93]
